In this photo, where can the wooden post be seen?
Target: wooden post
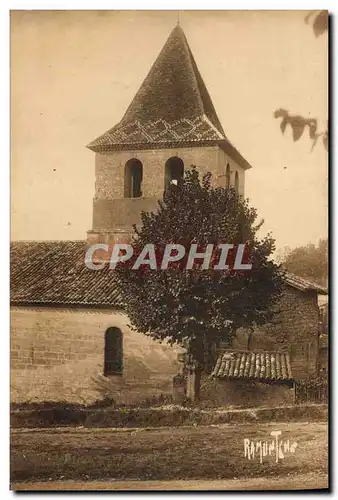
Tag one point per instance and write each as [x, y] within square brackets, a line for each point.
[179, 388]
[194, 383]
[294, 392]
[194, 367]
[190, 384]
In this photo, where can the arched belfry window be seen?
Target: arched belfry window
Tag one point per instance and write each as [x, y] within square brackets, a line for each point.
[133, 175]
[113, 352]
[227, 177]
[236, 182]
[173, 171]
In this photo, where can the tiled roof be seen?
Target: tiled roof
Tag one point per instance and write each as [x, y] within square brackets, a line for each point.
[253, 365]
[160, 131]
[172, 107]
[54, 272]
[303, 284]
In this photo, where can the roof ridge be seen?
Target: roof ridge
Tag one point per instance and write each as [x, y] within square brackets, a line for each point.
[200, 82]
[191, 65]
[213, 127]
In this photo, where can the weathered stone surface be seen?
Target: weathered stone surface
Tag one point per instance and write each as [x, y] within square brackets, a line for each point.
[57, 354]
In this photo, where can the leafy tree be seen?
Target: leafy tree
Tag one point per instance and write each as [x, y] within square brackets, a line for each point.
[196, 307]
[299, 124]
[309, 262]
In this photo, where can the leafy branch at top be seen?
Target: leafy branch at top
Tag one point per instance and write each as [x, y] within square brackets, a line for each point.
[299, 124]
[320, 25]
[321, 21]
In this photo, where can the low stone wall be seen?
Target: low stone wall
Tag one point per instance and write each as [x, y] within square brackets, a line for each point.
[239, 393]
[161, 416]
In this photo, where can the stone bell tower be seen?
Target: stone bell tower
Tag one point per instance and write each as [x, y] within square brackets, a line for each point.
[170, 125]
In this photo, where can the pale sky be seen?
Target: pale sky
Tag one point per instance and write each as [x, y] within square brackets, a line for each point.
[74, 73]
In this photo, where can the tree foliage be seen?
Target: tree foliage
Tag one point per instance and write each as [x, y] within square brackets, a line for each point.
[189, 307]
[299, 124]
[320, 21]
[309, 262]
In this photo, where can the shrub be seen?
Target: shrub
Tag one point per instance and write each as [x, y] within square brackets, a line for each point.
[312, 390]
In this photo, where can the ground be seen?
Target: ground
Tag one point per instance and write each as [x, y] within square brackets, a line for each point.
[203, 453]
[313, 481]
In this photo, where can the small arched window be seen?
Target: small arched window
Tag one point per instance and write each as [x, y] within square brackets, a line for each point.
[227, 177]
[236, 182]
[133, 175]
[113, 352]
[173, 171]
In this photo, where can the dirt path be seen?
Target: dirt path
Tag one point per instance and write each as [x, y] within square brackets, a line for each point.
[301, 481]
[130, 458]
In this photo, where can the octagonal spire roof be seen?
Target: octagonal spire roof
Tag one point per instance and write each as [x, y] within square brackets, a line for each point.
[171, 109]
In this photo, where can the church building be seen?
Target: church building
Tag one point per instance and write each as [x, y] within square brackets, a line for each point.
[70, 339]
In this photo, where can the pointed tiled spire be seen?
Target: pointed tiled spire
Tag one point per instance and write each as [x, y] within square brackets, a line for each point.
[174, 88]
[172, 107]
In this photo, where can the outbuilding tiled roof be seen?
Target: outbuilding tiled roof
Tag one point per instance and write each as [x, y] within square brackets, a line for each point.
[54, 272]
[253, 365]
[171, 109]
[303, 284]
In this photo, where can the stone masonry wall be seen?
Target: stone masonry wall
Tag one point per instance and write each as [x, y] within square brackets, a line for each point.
[112, 211]
[295, 328]
[120, 213]
[58, 355]
[110, 167]
[244, 393]
[224, 159]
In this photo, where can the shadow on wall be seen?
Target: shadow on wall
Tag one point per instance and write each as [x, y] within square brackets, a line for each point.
[224, 393]
[145, 374]
[144, 379]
